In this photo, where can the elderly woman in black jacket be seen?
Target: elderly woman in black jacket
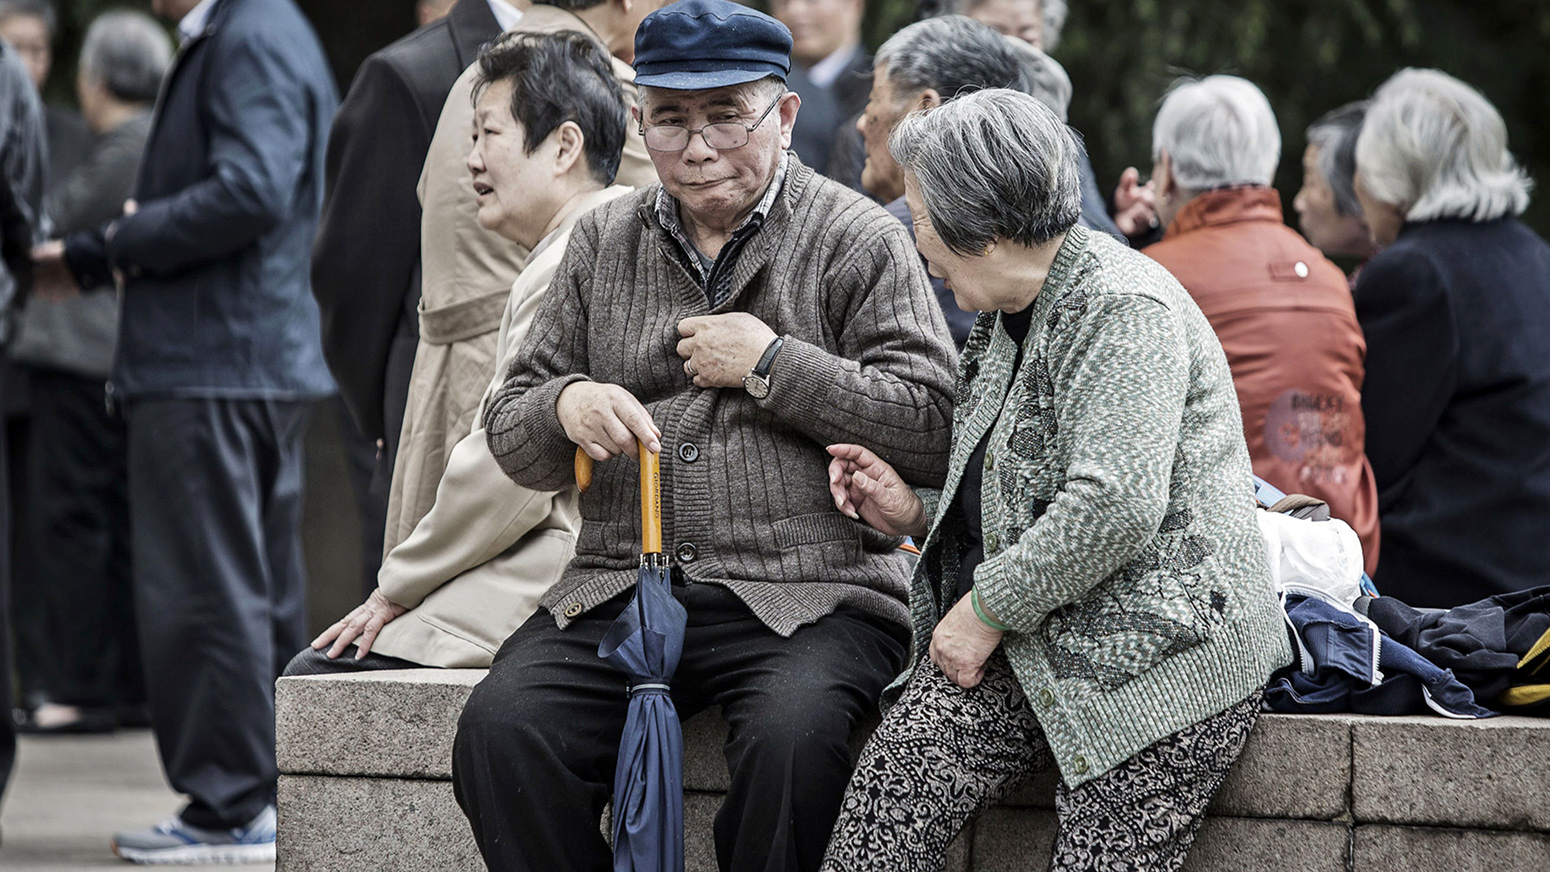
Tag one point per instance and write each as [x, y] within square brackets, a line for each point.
[1456, 308]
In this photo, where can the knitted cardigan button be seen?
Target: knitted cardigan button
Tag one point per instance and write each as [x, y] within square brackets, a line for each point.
[1046, 698]
[687, 552]
[688, 452]
[1079, 765]
[573, 610]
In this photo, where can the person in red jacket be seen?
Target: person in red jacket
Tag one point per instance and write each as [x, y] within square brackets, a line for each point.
[1282, 311]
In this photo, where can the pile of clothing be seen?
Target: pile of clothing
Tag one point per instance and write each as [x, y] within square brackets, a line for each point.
[1359, 652]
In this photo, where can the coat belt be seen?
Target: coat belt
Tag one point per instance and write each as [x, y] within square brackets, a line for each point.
[464, 319]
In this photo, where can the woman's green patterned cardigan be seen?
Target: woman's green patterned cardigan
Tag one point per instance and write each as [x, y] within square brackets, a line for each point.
[1118, 512]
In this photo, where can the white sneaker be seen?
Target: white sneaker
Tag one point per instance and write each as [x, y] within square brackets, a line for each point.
[175, 842]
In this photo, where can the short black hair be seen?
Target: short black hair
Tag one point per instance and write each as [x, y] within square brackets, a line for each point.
[555, 78]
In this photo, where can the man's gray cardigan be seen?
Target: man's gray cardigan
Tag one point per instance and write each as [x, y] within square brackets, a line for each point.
[745, 497]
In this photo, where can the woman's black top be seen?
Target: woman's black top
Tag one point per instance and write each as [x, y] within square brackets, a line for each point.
[968, 500]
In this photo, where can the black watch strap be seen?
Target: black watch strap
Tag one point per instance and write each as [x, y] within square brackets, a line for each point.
[766, 360]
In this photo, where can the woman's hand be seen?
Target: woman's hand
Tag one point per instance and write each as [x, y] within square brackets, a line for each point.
[868, 489]
[962, 643]
[360, 626]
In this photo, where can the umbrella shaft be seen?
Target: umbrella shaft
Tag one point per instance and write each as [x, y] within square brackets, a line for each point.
[650, 502]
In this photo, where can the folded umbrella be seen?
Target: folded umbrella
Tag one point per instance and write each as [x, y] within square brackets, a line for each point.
[644, 643]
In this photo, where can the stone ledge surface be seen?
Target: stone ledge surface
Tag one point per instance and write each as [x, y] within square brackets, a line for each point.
[1491, 774]
[1379, 848]
[1016, 840]
[333, 824]
[391, 724]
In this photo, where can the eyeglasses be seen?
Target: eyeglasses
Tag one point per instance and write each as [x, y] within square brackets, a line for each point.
[722, 136]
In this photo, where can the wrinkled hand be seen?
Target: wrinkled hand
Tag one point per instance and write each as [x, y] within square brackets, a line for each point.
[962, 643]
[1135, 204]
[360, 626]
[52, 280]
[865, 487]
[605, 420]
[718, 350]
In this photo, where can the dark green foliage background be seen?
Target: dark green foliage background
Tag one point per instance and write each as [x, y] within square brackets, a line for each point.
[1308, 56]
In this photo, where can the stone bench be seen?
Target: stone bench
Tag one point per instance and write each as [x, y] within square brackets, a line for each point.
[365, 763]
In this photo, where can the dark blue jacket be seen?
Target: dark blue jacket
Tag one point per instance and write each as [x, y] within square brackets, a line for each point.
[217, 301]
[1457, 401]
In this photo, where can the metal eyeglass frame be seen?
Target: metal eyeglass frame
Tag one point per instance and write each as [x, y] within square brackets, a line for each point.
[747, 130]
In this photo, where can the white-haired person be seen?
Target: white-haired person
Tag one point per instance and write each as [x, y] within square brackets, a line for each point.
[1092, 595]
[1456, 308]
[1328, 212]
[1282, 311]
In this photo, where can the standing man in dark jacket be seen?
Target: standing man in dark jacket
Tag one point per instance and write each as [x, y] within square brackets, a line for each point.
[366, 260]
[218, 359]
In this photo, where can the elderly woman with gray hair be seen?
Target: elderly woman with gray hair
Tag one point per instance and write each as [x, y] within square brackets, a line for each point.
[1092, 595]
[1327, 209]
[935, 60]
[1456, 308]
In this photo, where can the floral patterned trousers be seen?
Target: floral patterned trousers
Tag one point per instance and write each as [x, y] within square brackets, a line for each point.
[943, 754]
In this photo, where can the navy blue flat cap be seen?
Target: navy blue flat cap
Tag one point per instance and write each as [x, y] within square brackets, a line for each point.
[696, 45]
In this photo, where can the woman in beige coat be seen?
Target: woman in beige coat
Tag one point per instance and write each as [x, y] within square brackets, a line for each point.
[473, 568]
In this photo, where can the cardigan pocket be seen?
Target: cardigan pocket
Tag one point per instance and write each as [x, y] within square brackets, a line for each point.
[836, 538]
[1154, 607]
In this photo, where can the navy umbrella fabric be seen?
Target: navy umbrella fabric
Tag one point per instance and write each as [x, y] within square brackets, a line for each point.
[645, 643]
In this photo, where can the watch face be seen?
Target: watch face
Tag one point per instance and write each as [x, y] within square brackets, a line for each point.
[757, 387]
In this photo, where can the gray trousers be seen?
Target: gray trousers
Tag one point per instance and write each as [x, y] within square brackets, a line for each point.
[215, 497]
[943, 753]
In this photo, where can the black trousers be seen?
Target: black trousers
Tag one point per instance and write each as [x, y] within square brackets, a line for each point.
[215, 492]
[533, 763]
[79, 528]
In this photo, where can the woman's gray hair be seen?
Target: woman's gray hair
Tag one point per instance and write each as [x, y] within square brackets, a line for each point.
[1045, 78]
[1218, 131]
[994, 164]
[951, 54]
[1334, 135]
[128, 52]
[1433, 147]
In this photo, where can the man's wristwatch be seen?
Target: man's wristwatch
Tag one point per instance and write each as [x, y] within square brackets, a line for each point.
[757, 382]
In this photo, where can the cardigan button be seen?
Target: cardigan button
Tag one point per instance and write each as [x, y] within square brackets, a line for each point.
[1079, 765]
[992, 541]
[688, 452]
[687, 552]
[1046, 698]
[990, 461]
[573, 610]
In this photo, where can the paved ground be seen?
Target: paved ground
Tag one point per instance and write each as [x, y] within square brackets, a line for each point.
[69, 795]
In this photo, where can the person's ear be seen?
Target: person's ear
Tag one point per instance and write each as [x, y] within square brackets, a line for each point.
[635, 113]
[929, 99]
[789, 104]
[1163, 176]
[570, 147]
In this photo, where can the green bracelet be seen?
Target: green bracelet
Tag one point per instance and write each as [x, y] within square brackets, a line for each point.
[979, 610]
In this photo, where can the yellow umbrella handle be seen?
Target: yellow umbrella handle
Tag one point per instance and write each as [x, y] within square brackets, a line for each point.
[650, 494]
[650, 501]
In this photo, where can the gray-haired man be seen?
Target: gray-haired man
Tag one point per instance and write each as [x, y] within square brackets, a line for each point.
[738, 317]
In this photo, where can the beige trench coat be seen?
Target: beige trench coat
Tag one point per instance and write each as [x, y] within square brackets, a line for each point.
[475, 566]
[467, 273]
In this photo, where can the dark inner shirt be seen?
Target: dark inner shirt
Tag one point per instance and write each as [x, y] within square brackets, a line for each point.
[968, 500]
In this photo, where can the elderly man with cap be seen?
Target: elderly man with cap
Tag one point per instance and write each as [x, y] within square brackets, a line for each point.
[737, 318]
